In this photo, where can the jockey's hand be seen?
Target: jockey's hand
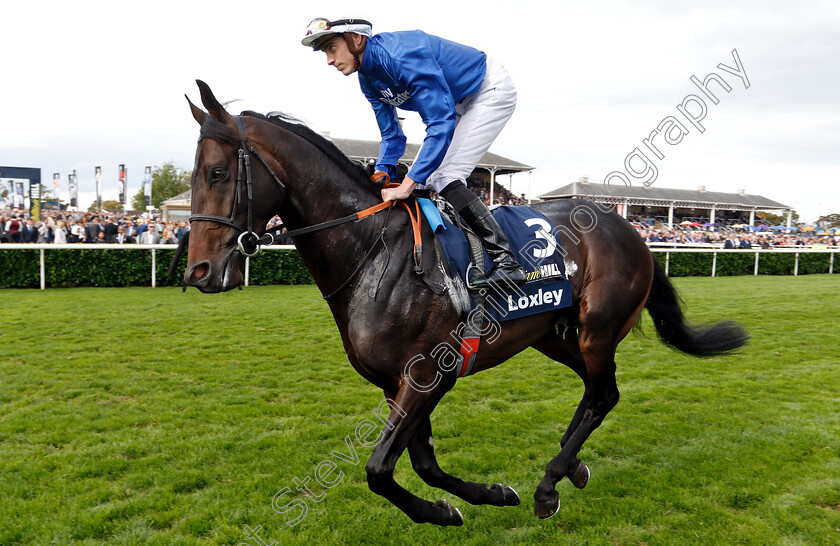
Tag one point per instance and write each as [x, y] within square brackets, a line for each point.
[381, 178]
[403, 191]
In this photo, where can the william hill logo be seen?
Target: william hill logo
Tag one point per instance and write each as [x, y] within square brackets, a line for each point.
[546, 271]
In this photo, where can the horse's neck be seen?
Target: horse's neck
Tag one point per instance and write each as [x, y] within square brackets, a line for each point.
[327, 197]
[324, 194]
[321, 191]
[320, 188]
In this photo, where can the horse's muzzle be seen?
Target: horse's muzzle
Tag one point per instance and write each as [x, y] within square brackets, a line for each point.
[211, 278]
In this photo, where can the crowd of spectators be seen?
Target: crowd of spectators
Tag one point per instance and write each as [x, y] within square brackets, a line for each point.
[87, 227]
[16, 226]
[501, 196]
[728, 237]
[733, 239]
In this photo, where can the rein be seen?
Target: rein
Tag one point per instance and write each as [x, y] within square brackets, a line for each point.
[254, 243]
[268, 239]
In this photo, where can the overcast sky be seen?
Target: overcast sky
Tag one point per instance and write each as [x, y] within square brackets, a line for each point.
[89, 83]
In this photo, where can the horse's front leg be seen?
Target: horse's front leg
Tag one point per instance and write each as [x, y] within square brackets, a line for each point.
[410, 410]
[422, 452]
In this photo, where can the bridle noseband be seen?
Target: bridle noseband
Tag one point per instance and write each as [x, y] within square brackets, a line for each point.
[248, 242]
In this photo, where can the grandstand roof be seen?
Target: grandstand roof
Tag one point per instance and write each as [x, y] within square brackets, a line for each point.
[654, 195]
[183, 196]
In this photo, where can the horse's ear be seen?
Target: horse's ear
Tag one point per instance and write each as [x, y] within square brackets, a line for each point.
[213, 106]
[197, 112]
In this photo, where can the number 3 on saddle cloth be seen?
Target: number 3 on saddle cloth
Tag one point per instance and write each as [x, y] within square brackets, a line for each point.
[532, 241]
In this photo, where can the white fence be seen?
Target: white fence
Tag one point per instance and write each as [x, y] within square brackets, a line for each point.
[41, 247]
[715, 251]
[667, 248]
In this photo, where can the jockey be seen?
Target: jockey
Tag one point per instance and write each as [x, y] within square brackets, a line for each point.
[463, 97]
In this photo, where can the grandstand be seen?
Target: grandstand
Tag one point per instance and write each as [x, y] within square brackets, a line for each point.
[653, 204]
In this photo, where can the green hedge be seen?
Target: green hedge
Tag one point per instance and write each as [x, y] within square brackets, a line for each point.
[66, 268]
[278, 267]
[695, 264]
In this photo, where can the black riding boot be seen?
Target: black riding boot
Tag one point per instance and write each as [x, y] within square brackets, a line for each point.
[506, 270]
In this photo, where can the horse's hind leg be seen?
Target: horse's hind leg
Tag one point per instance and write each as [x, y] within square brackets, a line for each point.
[558, 348]
[422, 452]
[601, 396]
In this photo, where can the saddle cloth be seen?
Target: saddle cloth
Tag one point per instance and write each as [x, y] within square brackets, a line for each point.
[535, 248]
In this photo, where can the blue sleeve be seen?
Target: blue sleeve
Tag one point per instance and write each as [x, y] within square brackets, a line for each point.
[422, 76]
[392, 147]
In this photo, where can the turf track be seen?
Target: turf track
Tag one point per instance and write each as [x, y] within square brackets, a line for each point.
[139, 415]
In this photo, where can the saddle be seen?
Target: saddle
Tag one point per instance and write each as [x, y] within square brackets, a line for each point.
[536, 249]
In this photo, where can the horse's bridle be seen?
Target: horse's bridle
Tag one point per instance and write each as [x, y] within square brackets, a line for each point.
[246, 236]
[251, 239]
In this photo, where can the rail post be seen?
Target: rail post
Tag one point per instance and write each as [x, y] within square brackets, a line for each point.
[43, 275]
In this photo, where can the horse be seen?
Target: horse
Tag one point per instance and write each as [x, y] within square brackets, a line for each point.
[251, 167]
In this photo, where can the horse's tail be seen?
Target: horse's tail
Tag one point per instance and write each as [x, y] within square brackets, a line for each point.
[664, 306]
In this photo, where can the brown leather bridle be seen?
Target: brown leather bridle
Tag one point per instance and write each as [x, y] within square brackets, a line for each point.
[248, 242]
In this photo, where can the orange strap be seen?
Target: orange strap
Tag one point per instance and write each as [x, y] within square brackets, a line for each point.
[374, 209]
[418, 240]
[370, 211]
[415, 224]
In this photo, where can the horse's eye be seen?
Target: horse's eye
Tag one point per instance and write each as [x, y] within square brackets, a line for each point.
[217, 174]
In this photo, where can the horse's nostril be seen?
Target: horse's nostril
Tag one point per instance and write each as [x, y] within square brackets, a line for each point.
[199, 271]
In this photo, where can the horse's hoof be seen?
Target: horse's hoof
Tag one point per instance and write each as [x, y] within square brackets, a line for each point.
[453, 515]
[545, 510]
[509, 495]
[580, 475]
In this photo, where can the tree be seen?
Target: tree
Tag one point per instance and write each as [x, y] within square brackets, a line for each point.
[167, 181]
[46, 193]
[111, 205]
[833, 220]
[776, 220]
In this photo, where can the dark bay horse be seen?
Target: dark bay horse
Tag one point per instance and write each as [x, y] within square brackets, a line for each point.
[391, 320]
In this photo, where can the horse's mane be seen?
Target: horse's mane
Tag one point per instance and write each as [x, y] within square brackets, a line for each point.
[214, 130]
[294, 125]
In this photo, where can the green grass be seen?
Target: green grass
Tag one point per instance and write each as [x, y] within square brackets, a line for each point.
[139, 415]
